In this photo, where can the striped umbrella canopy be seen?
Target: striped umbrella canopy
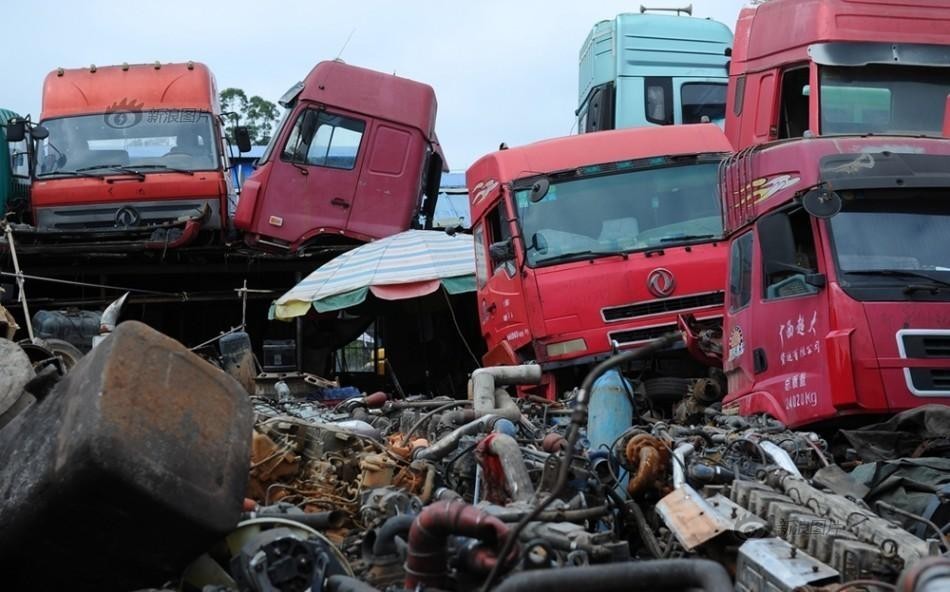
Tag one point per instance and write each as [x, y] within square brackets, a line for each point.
[406, 265]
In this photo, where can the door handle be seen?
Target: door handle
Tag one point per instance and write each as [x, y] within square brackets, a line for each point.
[340, 202]
[760, 362]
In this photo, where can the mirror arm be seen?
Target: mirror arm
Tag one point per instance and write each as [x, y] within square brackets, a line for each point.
[524, 246]
[817, 280]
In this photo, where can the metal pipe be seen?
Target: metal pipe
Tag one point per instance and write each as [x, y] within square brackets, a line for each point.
[298, 329]
[780, 456]
[8, 230]
[398, 405]
[373, 401]
[679, 467]
[427, 416]
[485, 381]
[503, 405]
[442, 447]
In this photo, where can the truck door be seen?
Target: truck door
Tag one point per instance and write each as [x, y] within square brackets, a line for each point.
[501, 300]
[738, 355]
[790, 319]
[389, 191]
[312, 186]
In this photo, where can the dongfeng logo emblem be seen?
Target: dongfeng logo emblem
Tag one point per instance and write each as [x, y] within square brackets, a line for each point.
[126, 217]
[660, 282]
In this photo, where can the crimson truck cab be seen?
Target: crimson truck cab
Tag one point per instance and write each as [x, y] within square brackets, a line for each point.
[838, 67]
[838, 300]
[353, 157]
[591, 242]
[134, 152]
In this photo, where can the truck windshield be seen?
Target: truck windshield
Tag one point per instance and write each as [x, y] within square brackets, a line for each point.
[883, 99]
[155, 140]
[880, 233]
[619, 212]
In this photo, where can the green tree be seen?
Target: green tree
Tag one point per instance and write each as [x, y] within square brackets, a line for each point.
[258, 115]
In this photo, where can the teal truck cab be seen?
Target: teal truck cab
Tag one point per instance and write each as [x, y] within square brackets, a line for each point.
[14, 172]
[653, 69]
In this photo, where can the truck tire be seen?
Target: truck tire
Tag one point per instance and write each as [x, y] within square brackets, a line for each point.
[666, 389]
[65, 351]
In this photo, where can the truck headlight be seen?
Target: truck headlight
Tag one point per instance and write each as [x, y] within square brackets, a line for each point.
[563, 348]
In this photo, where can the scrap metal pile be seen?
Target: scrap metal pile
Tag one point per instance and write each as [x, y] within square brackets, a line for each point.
[131, 472]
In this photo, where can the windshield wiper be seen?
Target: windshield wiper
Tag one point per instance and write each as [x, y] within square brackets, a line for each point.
[73, 173]
[579, 255]
[163, 167]
[686, 237]
[933, 284]
[115, 167]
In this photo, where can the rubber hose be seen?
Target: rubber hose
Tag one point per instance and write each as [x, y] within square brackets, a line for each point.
[385, 543]
[661, 574]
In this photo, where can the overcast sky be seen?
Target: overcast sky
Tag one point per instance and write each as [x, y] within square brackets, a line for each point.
[503, 70]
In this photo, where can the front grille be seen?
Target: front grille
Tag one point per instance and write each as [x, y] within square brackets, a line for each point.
[630, 311]
[102, 217]
[109, 225]
[926, 346]
[925, 379]
[635, 335]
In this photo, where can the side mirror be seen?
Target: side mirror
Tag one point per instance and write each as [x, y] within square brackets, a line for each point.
[501, 251]
[821, 202]
[242, 137]
[16, 130]
[38, 132]
[539, 189]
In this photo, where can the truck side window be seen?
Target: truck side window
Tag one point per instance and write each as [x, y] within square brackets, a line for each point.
[740, 272]
[481, 255]
[739, 97]
[658, 91]
[600, 110]
[324, 139]
[20, 164]
[793, 109]
[499, 230]
[788, 254]
[703, 99]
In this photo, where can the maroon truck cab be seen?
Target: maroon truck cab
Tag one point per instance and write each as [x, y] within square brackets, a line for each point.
[838, 67]
[591, 242]
[837, 313]
[354, 156]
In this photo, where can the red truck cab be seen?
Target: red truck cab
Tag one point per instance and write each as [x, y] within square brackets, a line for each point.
[838, 67]
[354, 156]
[134, 151]
[837, 313]
[591, 242]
